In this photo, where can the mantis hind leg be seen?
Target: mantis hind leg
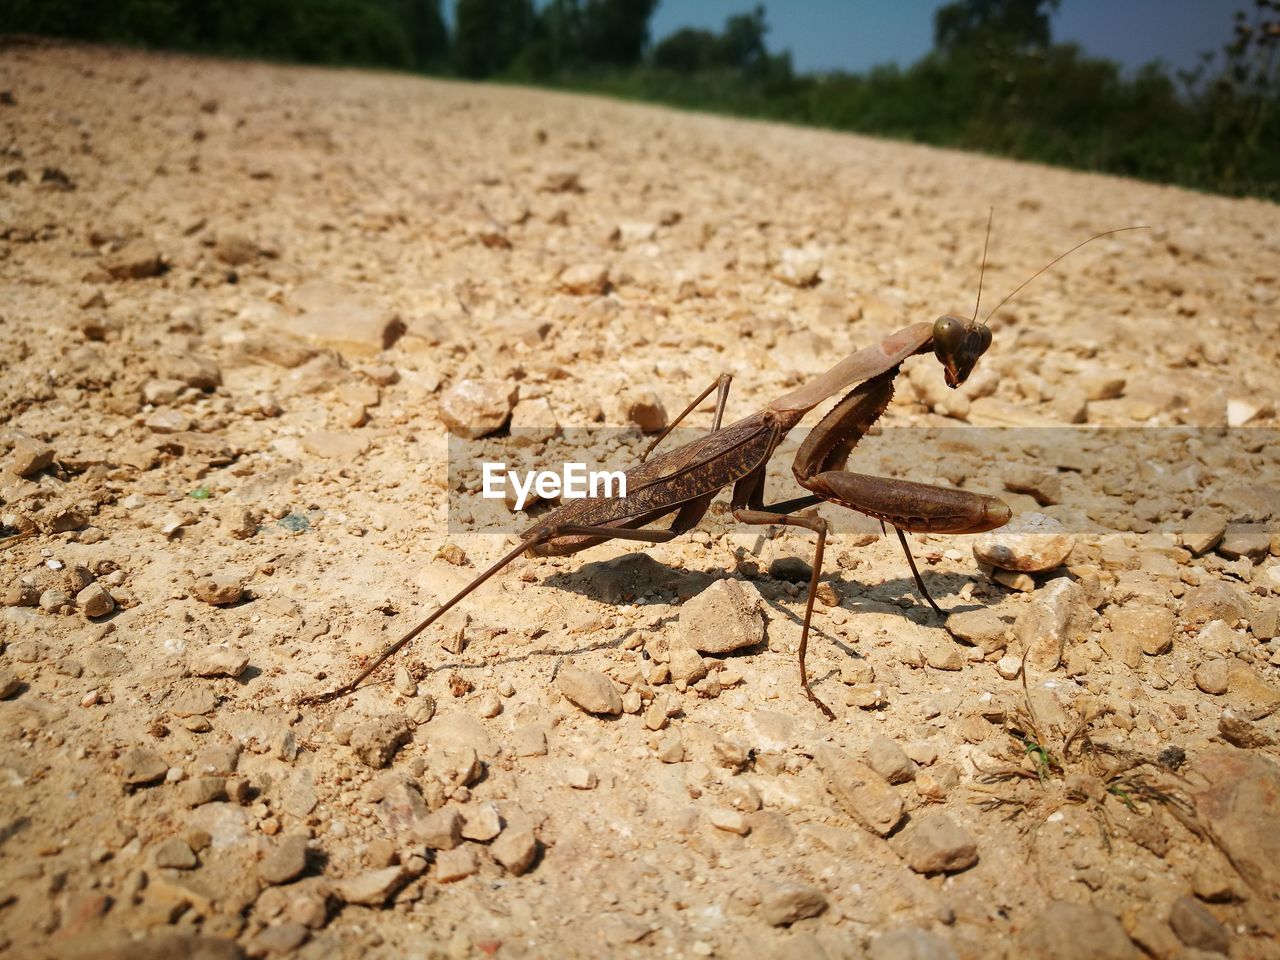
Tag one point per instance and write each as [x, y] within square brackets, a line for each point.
[720, 384]
[748, 508]
[686, 517]
[818, 526]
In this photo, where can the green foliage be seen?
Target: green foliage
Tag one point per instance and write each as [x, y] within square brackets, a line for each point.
[616, 31]
[424, 31]
[687, 51]
[740, 47]
[995, 81]
[572, 36]
[488, 35]
[969, 25]
[394, 33]
[1238, 106]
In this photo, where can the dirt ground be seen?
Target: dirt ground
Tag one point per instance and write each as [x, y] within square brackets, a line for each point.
[238, 304]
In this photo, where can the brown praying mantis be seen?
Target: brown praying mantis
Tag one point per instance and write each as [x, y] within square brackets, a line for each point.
[682, 483]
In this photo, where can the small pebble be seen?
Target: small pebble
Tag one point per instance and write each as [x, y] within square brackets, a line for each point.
[9, 684]
[515, 850]
[783, 904]
[220, 589]
[934, 843]
[375, 742]
[175, 854]
[671, 747]
[286, 860]
[1009, 666]
[580, 778]
[1211, 676]
[731, 821]
[373, 888]
[589, 690]
[457, 864]
[219, 661]
[405, 685]
[482, 823]
[30, 458]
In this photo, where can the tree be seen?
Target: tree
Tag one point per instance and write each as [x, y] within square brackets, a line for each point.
[616, 31]
[424, 30]
[488, 35]
[1003, 24]
[739, 47]
[559, 37]
[687, 51]
[742, 43]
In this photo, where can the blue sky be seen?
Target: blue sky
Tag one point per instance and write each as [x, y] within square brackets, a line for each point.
[857, 34]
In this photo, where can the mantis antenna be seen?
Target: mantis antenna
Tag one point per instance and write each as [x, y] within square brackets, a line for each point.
[991, 212]
[1096, 236]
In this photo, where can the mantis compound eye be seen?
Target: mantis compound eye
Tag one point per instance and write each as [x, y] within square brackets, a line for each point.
[947, 335]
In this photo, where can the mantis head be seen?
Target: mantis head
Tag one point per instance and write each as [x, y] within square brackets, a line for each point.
[958, 344]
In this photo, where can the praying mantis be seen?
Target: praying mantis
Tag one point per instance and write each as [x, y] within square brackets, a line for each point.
[668, 495]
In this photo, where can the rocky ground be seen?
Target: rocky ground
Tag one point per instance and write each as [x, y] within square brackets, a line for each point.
[241, 304]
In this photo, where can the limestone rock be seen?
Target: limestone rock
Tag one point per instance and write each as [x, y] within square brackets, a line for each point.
[515, 850]
[1029, 543]
[909, 943]
[375, 742]
[1240, 803]
[234, 249]
[174, 854]
[644, 409]
[983, 628]
[589, 690]
[1215, 600]
[95, 601]
[886, 758]
[1058, 616]
[861, 791]
[585, 279]
[782, 904]
[1150, 626]
[934, 843]
[372, 889]
[799, 266]
[141, 765]
[441, 830]
[30, 457]
[724, 617]
[219, 589]
[352, 330]
[286, 861]
[456, 864]
[136, 260]
[477, 407]
[1204, 529]
[219, 661]
[1197, 927]
[1067, 931]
